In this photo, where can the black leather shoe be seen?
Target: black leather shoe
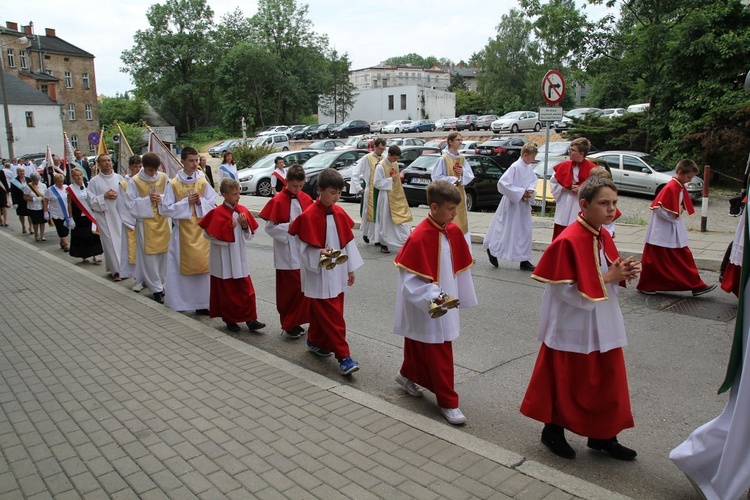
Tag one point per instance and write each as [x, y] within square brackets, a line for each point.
[367, 240]
[553, 437]
[493, 259]
[255, 325]
[233, 327]
[612, 448]
[159, 297]
[527, 266]
[201, 312]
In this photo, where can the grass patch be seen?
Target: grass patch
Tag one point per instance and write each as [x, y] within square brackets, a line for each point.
[204, 137]
[632, 219]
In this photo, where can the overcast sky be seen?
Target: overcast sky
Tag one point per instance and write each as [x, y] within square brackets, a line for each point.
[370, 31]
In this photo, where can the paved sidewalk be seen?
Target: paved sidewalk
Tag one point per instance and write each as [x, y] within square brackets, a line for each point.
[708, 248]
[107, 394]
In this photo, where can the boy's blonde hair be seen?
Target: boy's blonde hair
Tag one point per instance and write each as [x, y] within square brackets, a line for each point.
[601, 172]
[529, 149]
[441, 192]
[228, 185]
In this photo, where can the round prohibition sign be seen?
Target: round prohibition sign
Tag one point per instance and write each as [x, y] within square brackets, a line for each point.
[94, 138]
[553, 87]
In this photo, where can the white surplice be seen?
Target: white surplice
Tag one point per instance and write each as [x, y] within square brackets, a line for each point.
[388, 233]
[322, 283]
[153, 268]
[127, 270]
[414, 294]
[107, 217]
[186, 292]
[361, 174]
[509, 234]
[228, 260]
[666, 229]
[285, 246]
[567, 206]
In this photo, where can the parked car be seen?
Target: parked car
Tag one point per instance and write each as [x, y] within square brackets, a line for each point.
[311, 132]
[340, 160]
[420, 126]
[481, 192]
[558, 148]
[638, 108]
[347, 129]
[404, 141]
[552, 161]
[439, 123]
[637, 172]
[325, 130]
[256, 180]
[505, 150]
[468, 146]
[221, 148]
[395, 127]
[279, 142]
[411, 153]
[515, 121]
[484, 122]
[613, 112]
[440, 144]
[450, 124]
[293, 129]
[578, 114]
[350, 143]
[377, 125]
[325, 144]
[300, 134]
[274, 130]
[466, 122]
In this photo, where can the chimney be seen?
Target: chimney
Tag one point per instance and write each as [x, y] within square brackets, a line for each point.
[12, 26]
[49, 32]
[28, 30]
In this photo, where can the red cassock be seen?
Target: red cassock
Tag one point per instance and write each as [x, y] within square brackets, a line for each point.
[293, 307]
[670, 269]
[584, 393]
[730, 282]
[232, 299]
[327, 326]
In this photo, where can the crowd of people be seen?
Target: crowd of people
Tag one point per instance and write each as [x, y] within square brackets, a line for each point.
[180, 232]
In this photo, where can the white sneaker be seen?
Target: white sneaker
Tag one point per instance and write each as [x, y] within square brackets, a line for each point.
[453, 415]
[410, 387]
[137, 287]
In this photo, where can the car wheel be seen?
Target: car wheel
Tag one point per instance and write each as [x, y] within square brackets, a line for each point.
[285, 148]
[471, 200]
[344, 135]
[264, 188]
[432, 129]
[495, 131]
[514, 129]
[537, 127]
[658, 190]
[472, 127]
[396, 131]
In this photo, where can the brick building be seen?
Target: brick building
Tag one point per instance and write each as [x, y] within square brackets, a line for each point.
[59, 69]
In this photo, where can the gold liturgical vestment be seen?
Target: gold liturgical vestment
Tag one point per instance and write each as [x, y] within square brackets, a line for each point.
[194, 248]
[129, 233]
[156, 229]
[400, 212]
[461, 219]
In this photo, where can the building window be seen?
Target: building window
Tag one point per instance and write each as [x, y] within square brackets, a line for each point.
[74, 141]
[92, 148]
[403, 101]
[43, 87]
[29, 118]
[86, 81]
[390, 102]
[48, 72]
[11, 58]
[24, 63]
[71, 112]
[89, 112]
[68, 80]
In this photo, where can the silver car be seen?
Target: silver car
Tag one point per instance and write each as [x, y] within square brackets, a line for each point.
[636, 172]
[256, 179]
[515, 121]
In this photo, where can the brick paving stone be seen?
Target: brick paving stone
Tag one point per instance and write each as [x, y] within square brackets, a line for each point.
[270, 494]
[474, 487]
[515, 484]
[223, 481]
[558, 495]
[251, 481]
[112, 482]
[536, 490]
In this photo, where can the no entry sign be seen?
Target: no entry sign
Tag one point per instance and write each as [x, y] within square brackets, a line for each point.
[553, 87]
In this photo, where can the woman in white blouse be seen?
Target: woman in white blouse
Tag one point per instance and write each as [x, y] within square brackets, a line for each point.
[33, 193]
[57, 210]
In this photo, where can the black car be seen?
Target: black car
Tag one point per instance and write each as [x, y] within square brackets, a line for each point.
[340, 160]
[481, 192]
[300, 134]
[322, 131]
[411, 153]
[352, 127]
[505, 150]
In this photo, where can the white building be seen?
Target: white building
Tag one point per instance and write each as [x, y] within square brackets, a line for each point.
[36, 120]
[399, 103]
[400, 76]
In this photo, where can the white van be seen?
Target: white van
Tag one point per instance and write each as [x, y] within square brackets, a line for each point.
[279, 142]
[639, 108]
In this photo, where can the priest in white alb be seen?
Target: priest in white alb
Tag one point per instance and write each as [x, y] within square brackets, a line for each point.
[102, 196]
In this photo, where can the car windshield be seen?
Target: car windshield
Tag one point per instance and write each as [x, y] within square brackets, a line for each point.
[496, 142]
[555, 148]
[353, 140]
[656, 164]
[319, 162]
[539, 167]
[258, 142]
[512, 115]
[265, 162]
[577, 113]
[426, 163]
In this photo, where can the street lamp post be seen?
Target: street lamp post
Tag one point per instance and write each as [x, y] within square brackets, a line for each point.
[6, 111]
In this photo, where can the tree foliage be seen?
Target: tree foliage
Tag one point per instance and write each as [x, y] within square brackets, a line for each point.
[338, 96]
[413, 59]
[121, 108]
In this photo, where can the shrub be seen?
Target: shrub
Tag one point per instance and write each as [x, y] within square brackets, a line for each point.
[244, 156]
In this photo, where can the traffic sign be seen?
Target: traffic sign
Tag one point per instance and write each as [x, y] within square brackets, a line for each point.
[553, 87]
[94, 138]
[550, 114]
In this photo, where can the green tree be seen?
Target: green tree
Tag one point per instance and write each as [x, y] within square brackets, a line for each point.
[457, 82]
[338, 99]
[468, 102]
[122, 108]
[233, 28]
[411, 59]
[171, 61]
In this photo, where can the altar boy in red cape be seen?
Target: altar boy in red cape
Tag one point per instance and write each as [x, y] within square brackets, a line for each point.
[668, 263]
[228, 227]
[579, 381]
[321, 230]
[435, 259]
[567, 179]
[279, 212]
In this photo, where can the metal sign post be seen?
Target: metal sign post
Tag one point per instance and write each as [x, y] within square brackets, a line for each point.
[553, 90]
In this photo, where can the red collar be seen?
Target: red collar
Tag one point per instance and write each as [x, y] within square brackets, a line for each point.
[311, 225]
[278, 208]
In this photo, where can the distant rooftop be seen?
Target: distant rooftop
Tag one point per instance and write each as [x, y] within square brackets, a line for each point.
[49, 42]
